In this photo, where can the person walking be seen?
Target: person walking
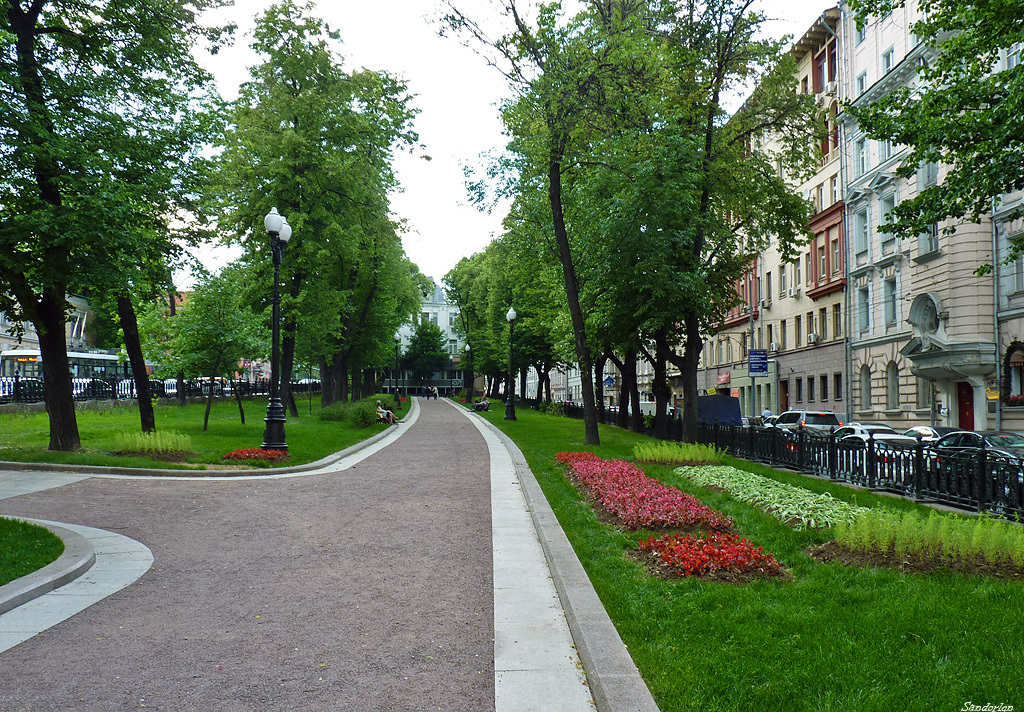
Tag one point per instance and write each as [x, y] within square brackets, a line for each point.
[766, 413]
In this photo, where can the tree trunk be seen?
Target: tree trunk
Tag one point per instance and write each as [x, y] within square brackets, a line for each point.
[287, 366]
[238, 399]
[60, 402]
[687, 365]
[130, 328]
[591, 434]
[180, 386]
[209, 398]
[599, 385]
[662, 393]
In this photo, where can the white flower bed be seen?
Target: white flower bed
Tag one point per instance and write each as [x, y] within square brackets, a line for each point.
[795, 505]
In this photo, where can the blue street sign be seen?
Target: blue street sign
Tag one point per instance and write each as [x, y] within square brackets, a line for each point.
[609, 381]
[758, 363]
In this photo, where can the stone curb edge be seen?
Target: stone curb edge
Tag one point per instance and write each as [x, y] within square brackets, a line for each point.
[198, 474]
[78, 557]
[613, 676]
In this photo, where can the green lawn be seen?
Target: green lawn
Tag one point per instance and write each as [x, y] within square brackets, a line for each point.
[24, 548]
[833, 638]
[24, 437]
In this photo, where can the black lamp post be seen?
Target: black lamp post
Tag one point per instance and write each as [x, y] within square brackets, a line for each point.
[273, 436]
[398, 393]
[510, 394]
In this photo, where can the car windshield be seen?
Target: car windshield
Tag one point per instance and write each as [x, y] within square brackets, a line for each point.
[1007, 440]
[822, 419]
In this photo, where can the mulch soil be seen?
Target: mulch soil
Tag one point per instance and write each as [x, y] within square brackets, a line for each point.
[833, 552]
[367, 589]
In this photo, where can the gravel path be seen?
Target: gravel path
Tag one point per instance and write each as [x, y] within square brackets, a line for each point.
[365, 589]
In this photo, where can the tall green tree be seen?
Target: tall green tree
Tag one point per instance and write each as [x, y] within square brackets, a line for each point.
[100, 109]
[426, 354]
[317, 142]
[963, 109]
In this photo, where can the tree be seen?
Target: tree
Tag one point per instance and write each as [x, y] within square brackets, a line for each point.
[214, 330]
[317, 142]
[963, 111]
[426, 354]
[101, 110]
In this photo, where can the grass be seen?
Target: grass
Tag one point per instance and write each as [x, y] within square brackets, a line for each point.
[833, 638]
[25, 548]
[24, 437]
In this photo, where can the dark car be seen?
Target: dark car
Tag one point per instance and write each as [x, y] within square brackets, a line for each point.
[966, 442]
[929, 433]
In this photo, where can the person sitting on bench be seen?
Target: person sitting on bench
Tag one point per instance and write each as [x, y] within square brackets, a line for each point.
[482, 404]
[384, 415]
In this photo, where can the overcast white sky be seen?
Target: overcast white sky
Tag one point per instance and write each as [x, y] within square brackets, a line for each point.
[456, 93]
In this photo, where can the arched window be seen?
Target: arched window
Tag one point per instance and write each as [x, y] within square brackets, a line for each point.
[865, 387]
[892, 386]
[1013, 374]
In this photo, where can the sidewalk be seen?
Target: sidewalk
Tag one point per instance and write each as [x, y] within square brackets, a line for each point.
[364, 541]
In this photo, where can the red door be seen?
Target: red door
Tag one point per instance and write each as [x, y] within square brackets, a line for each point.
[965, 405]
[783, 396]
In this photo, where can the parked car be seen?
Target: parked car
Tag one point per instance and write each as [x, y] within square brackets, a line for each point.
[91, 389]
[966, 442]
[809, 419]
[863, 429]
[30, 390]
[928, 433]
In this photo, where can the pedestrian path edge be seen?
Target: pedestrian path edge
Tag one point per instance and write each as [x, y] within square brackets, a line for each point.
[613, 676]
[78, 557]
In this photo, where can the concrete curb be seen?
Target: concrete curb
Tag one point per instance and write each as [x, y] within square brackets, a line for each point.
[78, 557]
[198, 474]
[611, 673]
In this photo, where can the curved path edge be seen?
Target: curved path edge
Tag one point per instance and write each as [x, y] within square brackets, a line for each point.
[78, 557]
[613, 676]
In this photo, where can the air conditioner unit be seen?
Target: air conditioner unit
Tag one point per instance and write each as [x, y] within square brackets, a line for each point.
[793, 291]
[812, 339]
[773, 347]
[820, 100]
[831, 88]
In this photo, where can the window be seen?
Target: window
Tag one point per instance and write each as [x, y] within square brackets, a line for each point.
[885, 206]
[796, 274]
[743, 345]
[892, 382]
[865, 387]
[804, 85]
[860, 34]
[770, 334]
[837, 385]
[799, 390]
[863, 309]
[928, 241]
[1013, 56]
[807, 269]
[888, 60]
[835, 189]
[891, 302]
[768, 284]
[451, 319]
[927, 175]
[861, 233]
[810, 388]
[824, 387]
[884, 150]
[822, 264]
[837, 320]
[860, 157]
[782, 334]
[823, 323]
[862, 83]
[797, 335]
[728, 350]
[924, 393]
[783, 285]
[836, 256]
[1017, 274]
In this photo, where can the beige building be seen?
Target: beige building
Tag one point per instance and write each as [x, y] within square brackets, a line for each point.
[922, 336]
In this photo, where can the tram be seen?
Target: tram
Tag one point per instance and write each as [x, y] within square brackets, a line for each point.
[28, 363]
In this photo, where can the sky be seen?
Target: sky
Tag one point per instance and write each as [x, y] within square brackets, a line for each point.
[457, 95]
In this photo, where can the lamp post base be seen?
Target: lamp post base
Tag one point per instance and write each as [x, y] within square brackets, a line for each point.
[510, 409]
[273, 435]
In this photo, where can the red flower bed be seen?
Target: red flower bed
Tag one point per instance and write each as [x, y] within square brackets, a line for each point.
[255, 453]
[637, 500]
[712, 554]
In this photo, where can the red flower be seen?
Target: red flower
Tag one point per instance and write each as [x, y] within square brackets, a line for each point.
[690, 555]
[255, 453]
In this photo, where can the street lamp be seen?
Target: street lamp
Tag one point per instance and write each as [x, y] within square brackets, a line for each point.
[273, 436]
[465, 371]
[510, 395]
[398, 394]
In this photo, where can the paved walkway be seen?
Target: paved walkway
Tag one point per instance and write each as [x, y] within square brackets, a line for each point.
[409, 575]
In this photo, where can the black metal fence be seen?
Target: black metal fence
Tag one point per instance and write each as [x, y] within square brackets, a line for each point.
[981, 480]
[33, 390]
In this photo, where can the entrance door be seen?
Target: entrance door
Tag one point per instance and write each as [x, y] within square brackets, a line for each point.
[783, 396]
[965, 405]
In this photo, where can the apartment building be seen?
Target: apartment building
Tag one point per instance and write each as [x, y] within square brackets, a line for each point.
[795, 309]
[922, 336]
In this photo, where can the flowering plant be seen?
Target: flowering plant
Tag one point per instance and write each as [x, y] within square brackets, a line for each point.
[1017, 399]
[712, 553]
[255, 453]
[623, 490]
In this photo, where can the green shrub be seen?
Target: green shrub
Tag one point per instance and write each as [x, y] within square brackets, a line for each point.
[160, 441]
[361, 413]
[555, 408]
[672, 453]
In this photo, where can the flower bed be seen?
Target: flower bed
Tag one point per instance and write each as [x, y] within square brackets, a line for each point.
[713, 555]
[255, 453]
[637, 500]
[794, 505]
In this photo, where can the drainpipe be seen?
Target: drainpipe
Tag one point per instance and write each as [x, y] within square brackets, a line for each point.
[995, 318]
